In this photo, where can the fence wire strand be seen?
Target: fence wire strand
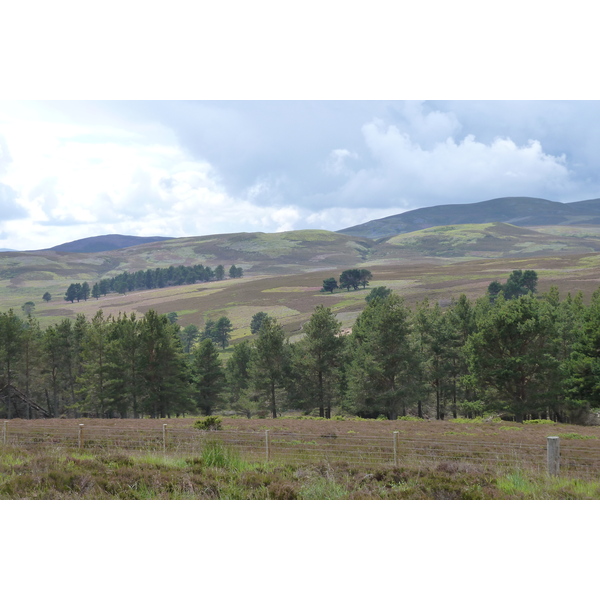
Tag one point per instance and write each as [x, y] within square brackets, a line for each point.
[297, 448]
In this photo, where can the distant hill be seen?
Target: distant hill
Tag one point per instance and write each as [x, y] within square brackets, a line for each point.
[256, 253]
[283, 272]
[489, 240]
[521, 211]
[104, 243]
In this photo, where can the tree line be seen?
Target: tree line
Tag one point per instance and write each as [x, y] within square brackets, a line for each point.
[148, 280]
[536, 356]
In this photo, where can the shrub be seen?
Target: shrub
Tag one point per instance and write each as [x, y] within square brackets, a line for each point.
[409, 418]
[539, 422]
[210, 423]
[577, 436]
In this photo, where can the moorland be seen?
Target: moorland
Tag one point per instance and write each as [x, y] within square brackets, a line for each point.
[284, 272]
[220, 471]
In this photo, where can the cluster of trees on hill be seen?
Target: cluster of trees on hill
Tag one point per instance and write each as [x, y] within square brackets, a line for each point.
[351, 278]
[149, 279]
[519, 283]
[529, 355]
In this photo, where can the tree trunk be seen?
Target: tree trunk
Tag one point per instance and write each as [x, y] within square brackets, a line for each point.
[454, 407]
[321, 403]
[273, 407]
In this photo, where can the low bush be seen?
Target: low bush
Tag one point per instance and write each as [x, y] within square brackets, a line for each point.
[577, 436]
[210, 423]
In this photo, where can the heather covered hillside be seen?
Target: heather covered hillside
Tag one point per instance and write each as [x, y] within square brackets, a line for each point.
[521, 211]
[283, 272]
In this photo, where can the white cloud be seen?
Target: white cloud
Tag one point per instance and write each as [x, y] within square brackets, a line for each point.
[336, 161]
[5, 157]
[457, 171]
[428, 128]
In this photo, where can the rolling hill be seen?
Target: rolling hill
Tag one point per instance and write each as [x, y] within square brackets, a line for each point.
[283, 272]
[105, 243]
[490, 240]
[521, 211]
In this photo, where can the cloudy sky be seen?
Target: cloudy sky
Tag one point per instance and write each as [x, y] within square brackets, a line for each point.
[72, 169]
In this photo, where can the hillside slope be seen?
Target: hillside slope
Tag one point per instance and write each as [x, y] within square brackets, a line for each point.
[489, 240]
[105, 243]
[521, 211]
[283, 272]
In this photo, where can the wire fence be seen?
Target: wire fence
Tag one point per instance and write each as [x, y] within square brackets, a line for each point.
[576, 460]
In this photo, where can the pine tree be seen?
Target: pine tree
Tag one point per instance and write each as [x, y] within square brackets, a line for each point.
[384, 372]
[124, 380]
[93, 381]
[269, 362]
[219, 272]
[11, 348]
[256, 322]
[208, 377]
[165, 388]
[237, 373]
[318, 357]
[511, 355]
[222, 332]
[189, 334]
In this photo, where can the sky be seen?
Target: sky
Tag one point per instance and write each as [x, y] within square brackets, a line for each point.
[74, 169]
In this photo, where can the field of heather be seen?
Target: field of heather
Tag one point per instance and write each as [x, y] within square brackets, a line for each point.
[295, 458]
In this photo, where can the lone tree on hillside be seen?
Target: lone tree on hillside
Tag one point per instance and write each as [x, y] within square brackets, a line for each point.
[47, 297]
[329, 285]
[257, 321]
[28, 307]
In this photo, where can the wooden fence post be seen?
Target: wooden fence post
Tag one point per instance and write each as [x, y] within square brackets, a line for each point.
[553, 446]
[267, 445]
[4, 432]
[164, 437]
[80, 436]
[395, 448]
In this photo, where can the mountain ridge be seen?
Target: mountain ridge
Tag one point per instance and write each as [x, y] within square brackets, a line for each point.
[104, 243]
[523, 211]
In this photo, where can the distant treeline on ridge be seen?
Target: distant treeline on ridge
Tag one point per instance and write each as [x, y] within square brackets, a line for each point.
[149, 279]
